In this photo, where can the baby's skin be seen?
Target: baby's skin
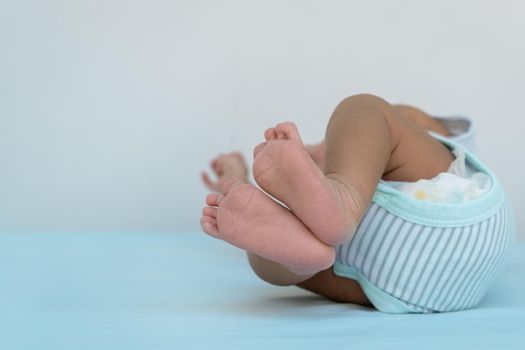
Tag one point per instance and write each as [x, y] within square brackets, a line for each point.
[226, 167]
[324, 189]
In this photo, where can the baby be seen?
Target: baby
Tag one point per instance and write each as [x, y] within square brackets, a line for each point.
[343, 231]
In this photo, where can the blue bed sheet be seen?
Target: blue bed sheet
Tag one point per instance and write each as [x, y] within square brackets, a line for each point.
[189, 291]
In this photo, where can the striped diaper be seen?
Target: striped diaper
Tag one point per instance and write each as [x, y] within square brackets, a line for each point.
[416, 256]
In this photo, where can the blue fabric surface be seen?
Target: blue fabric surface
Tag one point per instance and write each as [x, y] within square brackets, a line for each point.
[189, 291]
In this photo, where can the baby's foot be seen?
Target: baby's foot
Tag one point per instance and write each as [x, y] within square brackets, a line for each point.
[247, 218]
[283, 168]
[226, 167]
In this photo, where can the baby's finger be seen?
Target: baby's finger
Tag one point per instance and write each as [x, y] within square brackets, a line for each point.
[218, 167]
[208, 182]
[214, 164]
[239, 156]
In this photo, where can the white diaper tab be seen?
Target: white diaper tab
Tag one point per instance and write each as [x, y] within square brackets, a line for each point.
[459, 184]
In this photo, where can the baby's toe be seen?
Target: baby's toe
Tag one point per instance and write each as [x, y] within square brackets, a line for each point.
[209, 226]
[208, 219]
[210, 211]
[270, 134]
[288, 130]
[214, 199]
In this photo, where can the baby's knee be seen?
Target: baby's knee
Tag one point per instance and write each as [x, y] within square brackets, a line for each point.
[363, 101]
[367, 106]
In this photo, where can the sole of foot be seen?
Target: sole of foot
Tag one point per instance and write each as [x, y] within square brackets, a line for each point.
[284, 169]
[247, 218]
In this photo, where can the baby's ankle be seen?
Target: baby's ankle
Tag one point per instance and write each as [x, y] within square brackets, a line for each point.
[351, 199]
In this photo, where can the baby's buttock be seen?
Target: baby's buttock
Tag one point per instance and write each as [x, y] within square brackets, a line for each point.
[414, 255]
[404, 266]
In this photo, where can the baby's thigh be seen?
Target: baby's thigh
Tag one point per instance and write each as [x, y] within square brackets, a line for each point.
[421, 119]
[417, 154]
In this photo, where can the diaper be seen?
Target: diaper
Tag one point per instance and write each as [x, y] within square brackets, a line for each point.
[459, 184]
[416, 256]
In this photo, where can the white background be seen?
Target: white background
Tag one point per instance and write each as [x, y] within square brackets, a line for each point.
[110, 109]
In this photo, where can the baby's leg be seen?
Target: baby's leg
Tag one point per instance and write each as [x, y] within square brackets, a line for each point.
[325, 283]
[366, 140]
[412, 114]
[421, 119]
[377, 143]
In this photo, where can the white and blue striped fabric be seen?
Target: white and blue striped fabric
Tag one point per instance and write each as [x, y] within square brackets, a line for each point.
[415, 256]
[430, 269]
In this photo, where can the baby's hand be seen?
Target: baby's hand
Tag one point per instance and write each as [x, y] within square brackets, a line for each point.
[226, 166]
